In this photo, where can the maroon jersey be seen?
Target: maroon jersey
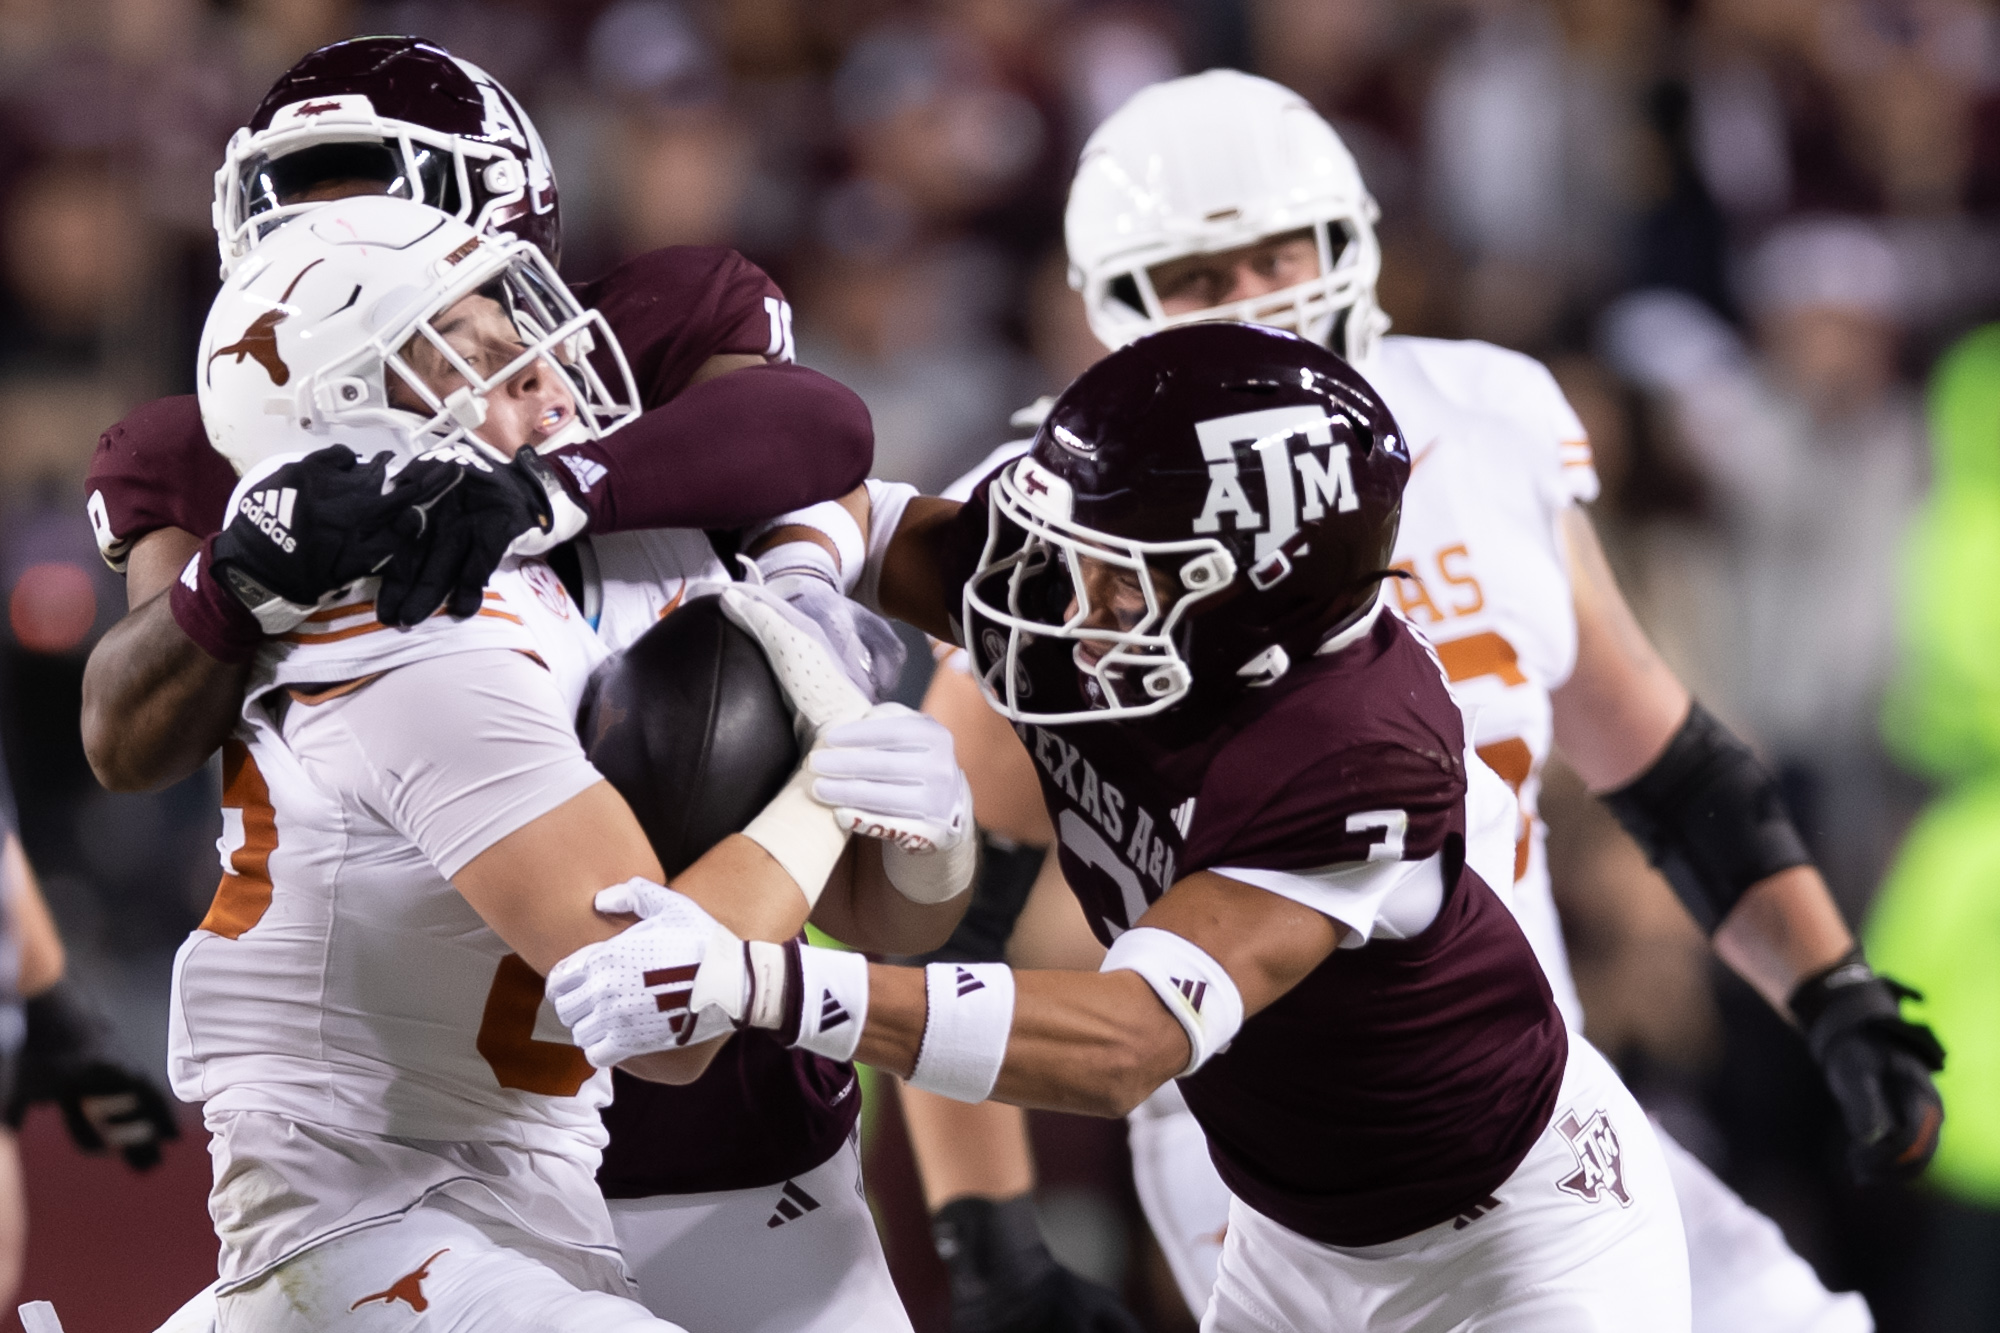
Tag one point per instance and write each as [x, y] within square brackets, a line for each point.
[672, 309]
[764, 1114]
[1402, 1081]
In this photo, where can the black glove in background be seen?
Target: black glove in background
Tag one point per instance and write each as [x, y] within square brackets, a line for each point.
[1004, 1280]
[1878, 1066]
[104, 1105]
[343, 521]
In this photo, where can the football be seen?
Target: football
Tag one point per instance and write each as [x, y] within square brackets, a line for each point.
[690, 726]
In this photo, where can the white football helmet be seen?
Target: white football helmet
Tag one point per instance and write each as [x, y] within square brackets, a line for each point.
[1211, 162]
[300, 341]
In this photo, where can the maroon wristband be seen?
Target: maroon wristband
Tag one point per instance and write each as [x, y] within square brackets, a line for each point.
[209, 613]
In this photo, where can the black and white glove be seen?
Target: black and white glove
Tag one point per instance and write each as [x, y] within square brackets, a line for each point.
[1878, 1065]
[1004, 1280]
[104, 1105]
[491, 511]
[312, 525]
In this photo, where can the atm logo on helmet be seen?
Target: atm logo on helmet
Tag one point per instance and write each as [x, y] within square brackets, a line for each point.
[1325, 473]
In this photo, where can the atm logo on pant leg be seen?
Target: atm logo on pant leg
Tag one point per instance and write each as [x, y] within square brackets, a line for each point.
[1599, 1160]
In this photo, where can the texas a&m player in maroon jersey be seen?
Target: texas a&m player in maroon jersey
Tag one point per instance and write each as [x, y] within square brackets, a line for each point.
[1267, 801]
[734, 433]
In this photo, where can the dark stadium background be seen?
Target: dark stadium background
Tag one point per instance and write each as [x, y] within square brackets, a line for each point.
[900, 168]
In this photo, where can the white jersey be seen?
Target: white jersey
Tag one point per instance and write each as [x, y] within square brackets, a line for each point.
[1496, 455]
[340, 981]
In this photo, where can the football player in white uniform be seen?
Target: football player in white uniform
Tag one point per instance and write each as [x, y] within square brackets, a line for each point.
[1224, 196]
[414, 836]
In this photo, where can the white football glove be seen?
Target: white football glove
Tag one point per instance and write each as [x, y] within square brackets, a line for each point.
[894, 776]
[808, 669]
[640, 991]
[864, 645]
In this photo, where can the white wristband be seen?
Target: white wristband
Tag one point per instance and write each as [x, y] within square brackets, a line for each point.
[764, 963]
[833, 1001]
[1191, 984]
[830, 519]
[886, 502]
[935, 876]
[799, 560]
[969, 1017]
[801, 835]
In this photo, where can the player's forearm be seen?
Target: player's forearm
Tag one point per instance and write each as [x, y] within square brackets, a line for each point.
[1621, 703]
[155, 706]
[914, 580]
[1092, 1043]
[1785, 929]
[727, 452]
[741, 885]
[42, 959]
[863, 910]
[675, 1068]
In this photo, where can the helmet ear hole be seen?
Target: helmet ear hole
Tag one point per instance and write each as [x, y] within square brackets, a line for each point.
[1163, 682]
[504, 176]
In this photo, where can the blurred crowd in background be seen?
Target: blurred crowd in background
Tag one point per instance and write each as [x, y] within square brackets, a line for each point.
[1740, 231]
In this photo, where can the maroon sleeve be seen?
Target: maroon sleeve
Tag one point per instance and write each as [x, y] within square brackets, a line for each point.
[1370, 730]
[155, 470]
[731, 450]
[674, 308]
[1302, 821]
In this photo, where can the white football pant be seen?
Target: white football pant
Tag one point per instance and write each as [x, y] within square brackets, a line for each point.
[801, 1256]
[1745, 1278]
[1585, 1238]
[197, 1316]
[440, 1268]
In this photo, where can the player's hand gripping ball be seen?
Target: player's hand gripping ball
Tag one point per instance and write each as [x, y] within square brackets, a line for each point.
[893, 775]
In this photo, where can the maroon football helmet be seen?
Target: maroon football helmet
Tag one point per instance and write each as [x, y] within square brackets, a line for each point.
[397, 111]
[1237, 488]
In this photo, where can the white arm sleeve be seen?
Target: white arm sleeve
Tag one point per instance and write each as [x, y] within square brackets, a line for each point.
[454, 752]
[886, 502]
[1390, 900]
